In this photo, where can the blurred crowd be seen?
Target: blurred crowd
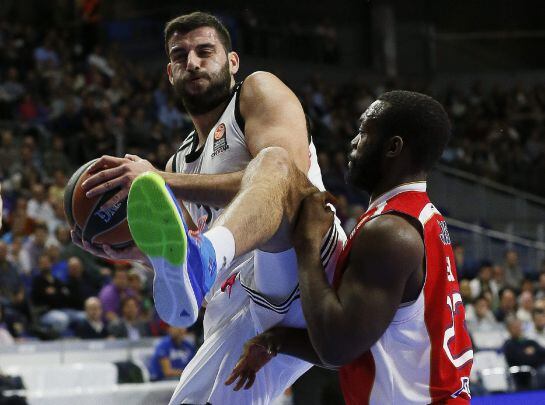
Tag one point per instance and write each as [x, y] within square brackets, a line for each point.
[61, 106]
[505, 311]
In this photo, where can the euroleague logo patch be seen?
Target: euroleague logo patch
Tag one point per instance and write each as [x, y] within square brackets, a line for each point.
[220, 140]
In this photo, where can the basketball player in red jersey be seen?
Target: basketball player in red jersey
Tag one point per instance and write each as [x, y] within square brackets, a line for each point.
[393, 321]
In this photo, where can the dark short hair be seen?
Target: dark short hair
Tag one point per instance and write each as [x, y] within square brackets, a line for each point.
[189, 22]
[480, 297]
[420, 120]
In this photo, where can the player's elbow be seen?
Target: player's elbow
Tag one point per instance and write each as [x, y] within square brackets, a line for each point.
[337, 352]
[333, 355]
[332, 358]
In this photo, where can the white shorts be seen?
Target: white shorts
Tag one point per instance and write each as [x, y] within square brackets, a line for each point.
[238, 313]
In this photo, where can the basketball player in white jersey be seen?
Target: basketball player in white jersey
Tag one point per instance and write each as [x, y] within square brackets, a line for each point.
[234, 123]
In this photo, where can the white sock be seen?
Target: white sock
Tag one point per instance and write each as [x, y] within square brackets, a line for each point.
[223, 243]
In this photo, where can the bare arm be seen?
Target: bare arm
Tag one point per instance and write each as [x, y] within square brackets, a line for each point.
[167, 369]
[345, 323]
[273, 117]
[259, 350]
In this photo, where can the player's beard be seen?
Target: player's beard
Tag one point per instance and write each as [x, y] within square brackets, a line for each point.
[364, 171]
[217, 92]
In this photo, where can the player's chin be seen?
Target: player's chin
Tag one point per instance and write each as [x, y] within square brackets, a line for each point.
[196, 86]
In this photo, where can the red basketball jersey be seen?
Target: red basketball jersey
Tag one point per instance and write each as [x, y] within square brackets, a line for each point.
[425, 354]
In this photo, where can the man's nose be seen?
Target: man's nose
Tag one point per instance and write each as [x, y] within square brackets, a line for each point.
[193, 61]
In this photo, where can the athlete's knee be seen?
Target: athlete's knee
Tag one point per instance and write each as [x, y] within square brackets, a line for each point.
[275, 158]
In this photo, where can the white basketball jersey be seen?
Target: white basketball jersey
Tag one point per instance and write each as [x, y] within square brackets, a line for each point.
[239, 310]
[225, 151]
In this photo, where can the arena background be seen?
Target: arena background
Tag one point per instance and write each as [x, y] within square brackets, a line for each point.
[79, 79]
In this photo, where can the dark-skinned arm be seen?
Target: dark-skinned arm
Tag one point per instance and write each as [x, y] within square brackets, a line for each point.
[345, 323]
[342, 324]
[262, 348]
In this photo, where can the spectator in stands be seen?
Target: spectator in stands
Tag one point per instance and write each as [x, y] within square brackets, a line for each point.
[13, 296]
[170, 116]
[462, 266]
[499, 276]
[540, 292]
[56, 190]
[484, 283]
[92, 327]
[8, 153]
[20, 224]
[520, 351]
[537, 330]
[525, 309]
[513, 272]
[55, 159]
[50, 295]
[45, 55]
[112, 294]
[527, 285]
[79, 284]
[467, 298]
[508, 304]
[172, 354]
[12, 89]
[137, 283]
[130, 325]
[484, 320]
[59, 266]
[33, 248]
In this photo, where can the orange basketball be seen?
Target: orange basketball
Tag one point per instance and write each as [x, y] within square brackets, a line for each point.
[84, 214]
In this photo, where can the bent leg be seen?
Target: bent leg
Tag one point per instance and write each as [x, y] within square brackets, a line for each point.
[261, 214]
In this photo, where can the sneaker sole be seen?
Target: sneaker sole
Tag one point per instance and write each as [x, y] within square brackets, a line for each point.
[157, 229]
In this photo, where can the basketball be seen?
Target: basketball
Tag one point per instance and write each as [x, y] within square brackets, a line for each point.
[84, 214]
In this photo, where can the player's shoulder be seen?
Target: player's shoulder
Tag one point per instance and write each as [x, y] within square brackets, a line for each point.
[260, 77]
[262, 86]
[389, 234]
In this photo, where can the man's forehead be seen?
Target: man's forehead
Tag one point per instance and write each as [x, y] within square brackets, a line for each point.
[196, 36]
[374, 110]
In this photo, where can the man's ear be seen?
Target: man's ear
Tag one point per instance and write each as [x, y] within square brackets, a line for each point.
[169, 73]
[234, 62]
[395, 146]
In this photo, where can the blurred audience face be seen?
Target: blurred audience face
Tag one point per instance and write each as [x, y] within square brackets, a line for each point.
[130, 309]
[499, 274]
[38, 192]
[63, 235]
[44, 264]
[93, 309]
[177, 334]
[541, 283]
[54, 253]
[121, 279]
[527, 286]
[465, 291]
[40, 236]
[526, 301]
[75, 267]
[485, 273]
[3, 251]
[482, 307]
[514, 326]
[511, 258]
[459, 253]
[135, 283]
[539, 319]
[508, 300]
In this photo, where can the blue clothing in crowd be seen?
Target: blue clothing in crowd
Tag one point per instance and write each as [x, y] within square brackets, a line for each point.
[178, 354]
